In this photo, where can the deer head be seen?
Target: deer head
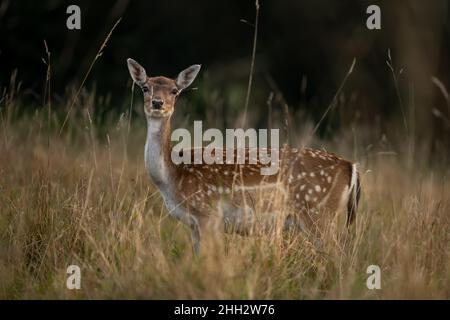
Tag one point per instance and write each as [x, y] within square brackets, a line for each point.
[160, 93]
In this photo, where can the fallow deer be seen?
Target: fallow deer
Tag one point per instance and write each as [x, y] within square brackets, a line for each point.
[309, 180]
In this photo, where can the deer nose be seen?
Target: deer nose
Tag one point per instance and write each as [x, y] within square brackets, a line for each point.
[157, 103]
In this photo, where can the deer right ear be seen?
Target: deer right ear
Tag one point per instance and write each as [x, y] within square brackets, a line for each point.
[137, 72]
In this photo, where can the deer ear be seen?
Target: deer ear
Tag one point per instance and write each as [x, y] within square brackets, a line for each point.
[187, 76]
[137, 72]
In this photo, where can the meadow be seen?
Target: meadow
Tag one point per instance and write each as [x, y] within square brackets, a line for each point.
[76, 192]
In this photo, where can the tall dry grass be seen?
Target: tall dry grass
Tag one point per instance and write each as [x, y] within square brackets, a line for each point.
[83, 197]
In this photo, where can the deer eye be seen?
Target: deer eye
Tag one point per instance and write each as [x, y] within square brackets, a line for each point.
[174, 91]
[145, 89]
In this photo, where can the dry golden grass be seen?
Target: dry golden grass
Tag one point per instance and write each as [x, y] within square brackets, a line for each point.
[77, 199]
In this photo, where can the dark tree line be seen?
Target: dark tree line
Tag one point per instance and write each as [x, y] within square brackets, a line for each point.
[304, 47]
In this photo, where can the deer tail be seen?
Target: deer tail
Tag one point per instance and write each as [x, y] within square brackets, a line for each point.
[354, 194]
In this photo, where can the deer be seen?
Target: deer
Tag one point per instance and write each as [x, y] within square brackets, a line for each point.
[200, 195]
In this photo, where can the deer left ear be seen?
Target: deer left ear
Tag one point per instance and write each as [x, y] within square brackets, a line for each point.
[187, 76]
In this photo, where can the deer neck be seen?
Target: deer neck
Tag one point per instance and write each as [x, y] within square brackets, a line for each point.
[157, 151]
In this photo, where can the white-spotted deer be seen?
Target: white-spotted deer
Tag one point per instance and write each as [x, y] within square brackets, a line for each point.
[311, 181]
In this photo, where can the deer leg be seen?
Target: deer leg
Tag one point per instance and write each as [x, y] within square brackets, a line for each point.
[195, 234]
[295, 224]
[191, 221]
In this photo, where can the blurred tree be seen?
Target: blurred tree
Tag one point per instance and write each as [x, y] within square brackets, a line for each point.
[305, 47]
